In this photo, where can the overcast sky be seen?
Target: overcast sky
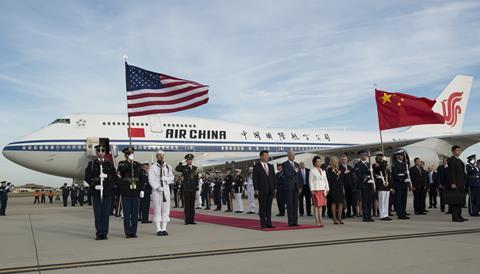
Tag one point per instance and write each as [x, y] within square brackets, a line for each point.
[274, 63]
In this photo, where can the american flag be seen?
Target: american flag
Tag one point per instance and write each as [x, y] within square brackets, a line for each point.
[152, 93]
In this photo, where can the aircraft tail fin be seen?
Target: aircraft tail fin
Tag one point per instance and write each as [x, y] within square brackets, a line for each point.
[452, 104]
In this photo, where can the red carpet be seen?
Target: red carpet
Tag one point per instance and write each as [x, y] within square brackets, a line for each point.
[238, 222]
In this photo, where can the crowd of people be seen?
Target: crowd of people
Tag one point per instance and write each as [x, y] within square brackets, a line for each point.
[333, 188]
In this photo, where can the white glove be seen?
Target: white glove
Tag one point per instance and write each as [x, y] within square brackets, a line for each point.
[407, 180]
[142, 194]
[159, 189]
[98, 187]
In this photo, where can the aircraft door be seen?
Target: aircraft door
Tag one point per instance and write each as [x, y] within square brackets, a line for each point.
[156, 124]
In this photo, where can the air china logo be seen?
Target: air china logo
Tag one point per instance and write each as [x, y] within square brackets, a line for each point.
[451, 109]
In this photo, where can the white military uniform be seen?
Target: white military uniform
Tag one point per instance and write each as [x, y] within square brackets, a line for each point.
[160, 178]
[250, 193]
[198, 198]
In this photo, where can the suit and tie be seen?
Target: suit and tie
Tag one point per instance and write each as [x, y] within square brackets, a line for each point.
[305, 193]
[294, 186]
[265, 182]
[456, 176]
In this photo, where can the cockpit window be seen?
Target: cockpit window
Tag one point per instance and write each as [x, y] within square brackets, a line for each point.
[61, 121]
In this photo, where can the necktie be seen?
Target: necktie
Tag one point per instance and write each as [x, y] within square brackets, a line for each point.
[265, 167]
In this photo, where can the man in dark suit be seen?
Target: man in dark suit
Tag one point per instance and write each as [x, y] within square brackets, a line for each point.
[456, 181]
[265, 183]
[442, 182]
[291, 172]
[305, 193]
[419, 186]
[350, 185]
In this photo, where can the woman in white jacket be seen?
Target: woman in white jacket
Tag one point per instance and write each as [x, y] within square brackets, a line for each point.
[319, 188]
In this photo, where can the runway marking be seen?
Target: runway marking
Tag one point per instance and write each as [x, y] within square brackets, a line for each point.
[218, 252]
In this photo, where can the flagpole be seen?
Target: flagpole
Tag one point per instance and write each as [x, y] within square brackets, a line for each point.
[379, 130]
[132, 182]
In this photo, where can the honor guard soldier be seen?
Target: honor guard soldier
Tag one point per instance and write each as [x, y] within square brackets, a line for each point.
[100, 175]
[176, 191]
[401, 182]
[160, 178]
[238, 191]
[250, 192]
[217, 191]
[65, 193]
[382, 184]
[5, 188]
[131, 184]
[227, 189]
[281, 193]
[81, 195]
[473, 185]
[147, 192]
[73, 194]
[190, 187]
[207, 190]
[362, 169]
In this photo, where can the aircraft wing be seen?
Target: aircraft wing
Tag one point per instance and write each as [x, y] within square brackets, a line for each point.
[237, 162]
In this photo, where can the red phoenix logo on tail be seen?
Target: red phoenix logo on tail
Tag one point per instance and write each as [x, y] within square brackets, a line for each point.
[451, 109]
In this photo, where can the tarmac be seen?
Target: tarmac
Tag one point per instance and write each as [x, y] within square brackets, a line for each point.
[50, 238]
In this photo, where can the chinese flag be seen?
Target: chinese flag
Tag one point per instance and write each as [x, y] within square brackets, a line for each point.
[136, 132]
[400, 110]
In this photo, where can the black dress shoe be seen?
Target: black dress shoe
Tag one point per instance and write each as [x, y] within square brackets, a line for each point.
[98, 238]
[128, 236]
[165, 233]
[270, 226]
[146, 222]
[309, 215]
[279, 215]
[193, 223]
[159, 233]
[463, 219]
[458, 220]
[133, 236]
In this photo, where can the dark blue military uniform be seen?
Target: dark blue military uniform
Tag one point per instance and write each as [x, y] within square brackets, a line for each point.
[217, 191]
[4, 189]
[130, 191]
[81, 196]
[400, 185]
[65, 192]
[362, 170]
[73, 195]
[101, 206]
[281, 194]
[206, 191]
[145, 201]
[473, 186]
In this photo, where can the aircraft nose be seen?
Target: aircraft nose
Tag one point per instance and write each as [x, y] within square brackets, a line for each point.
[8, 152]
